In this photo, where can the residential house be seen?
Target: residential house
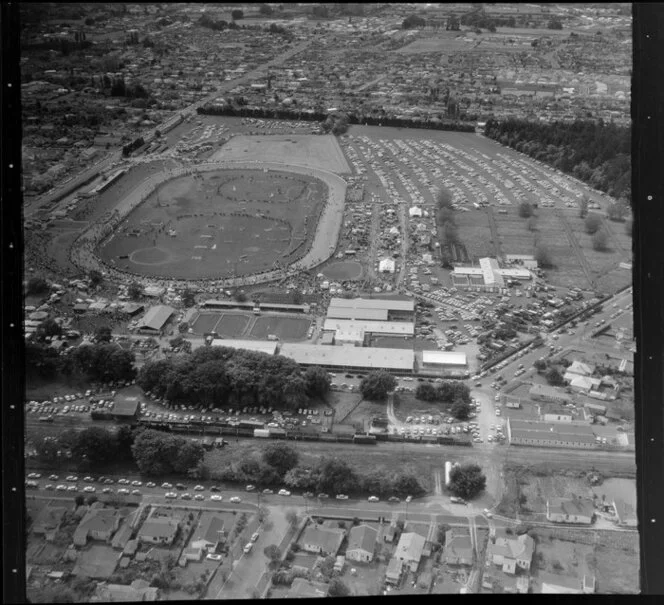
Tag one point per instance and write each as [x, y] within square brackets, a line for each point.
[557, 415]
[137, 591]
[97, 524]
[394, 571]
[541, 392]
[390, 533]
[583, 384]
[322, 540]
[625, 513]
[361, 544]
[506, 583]
[158, 529]
[209, 535]
[570, 510]
[409, 550]
[458, 547]
[429, 533]
[130, 548]
[339, 564]
[191, 554]
[580, 369]
[302, 588]
[512, 553]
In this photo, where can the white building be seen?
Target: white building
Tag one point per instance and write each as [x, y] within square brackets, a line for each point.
[387, 265]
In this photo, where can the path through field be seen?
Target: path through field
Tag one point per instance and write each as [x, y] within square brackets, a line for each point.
[583, 262]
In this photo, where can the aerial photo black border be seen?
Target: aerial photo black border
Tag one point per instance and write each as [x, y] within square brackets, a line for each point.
[647, 192]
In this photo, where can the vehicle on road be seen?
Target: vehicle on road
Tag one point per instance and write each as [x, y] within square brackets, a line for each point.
[255, 536]
[487, 513]
[88, 479]
[247, 548]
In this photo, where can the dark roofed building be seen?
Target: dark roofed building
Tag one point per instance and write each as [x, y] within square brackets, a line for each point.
[155, 319]
[549, 434]
[125, 408]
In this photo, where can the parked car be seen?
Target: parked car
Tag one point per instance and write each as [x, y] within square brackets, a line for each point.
[150, 484]
[235, 500]
[216, 497]
[323, 496]
[90, 489]
[393, 499]
[268, 491]
[199, 488]
[284, 492]
[213, 557]
[215, 488]
[374, 499]
[185, 496]
[250, 488]
[199, 497]
[342, 497]
[135, 492]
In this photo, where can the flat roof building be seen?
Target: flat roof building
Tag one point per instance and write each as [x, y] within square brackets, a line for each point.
[261, 346]
[373, 309]
[385, 328]
[441, 359]
[351, 358]
[549, 434]
[358, 314]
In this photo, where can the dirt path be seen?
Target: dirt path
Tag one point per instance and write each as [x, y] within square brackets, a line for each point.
[583, 262]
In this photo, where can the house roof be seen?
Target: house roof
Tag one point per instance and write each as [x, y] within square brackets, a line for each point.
[547, 391]
[362, 537]
[570, 506]
[582, 382]
[374, 303]
[121, 592]
[583, 369]
[209, 531]
[400, 328]
[444, 358]
[551, 431]
[410, 546]
[99, 519]
[159, 528]
[521, 547]
[394, 567]
[328, 539]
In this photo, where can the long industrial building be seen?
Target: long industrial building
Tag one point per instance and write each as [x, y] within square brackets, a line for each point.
[372, 309]
[444, 360]
[488, 275]
[260, 346]
[397, 361]
[382, 328]
[549, 434]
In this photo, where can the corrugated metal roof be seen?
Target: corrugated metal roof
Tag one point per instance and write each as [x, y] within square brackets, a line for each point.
[354, 313]
[156, 317]
[401, 328]
[374, 303]
[361, 357]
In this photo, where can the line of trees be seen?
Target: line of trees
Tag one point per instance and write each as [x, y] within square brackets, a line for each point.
[288, 113]
[101, 362]
[220, 376]
[595, 152]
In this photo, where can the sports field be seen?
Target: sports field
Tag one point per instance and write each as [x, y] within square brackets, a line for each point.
[231, 325]
[219, 223]
[285, 328]
[343, 271]
[316, 151]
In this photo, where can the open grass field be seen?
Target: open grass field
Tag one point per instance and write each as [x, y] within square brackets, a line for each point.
[284, 328]
[230, 325]
[218, 223]
[317, 151]
[475, 233]
[97, 561]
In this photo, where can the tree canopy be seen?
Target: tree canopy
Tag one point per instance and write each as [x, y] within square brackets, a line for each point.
[158, 453]
[376, 385]
[37, 285]
[280, 456]
[317, 382]
[554, 377]
[592, 223]
[600, 240]
[104, 362]
[467, 481]
[525, 210]
[543, 257]
[219, 376]
[413, 21]
[447, 391]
